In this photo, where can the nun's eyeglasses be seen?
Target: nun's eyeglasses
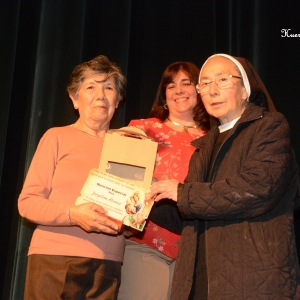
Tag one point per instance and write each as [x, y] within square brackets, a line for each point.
[223, 81]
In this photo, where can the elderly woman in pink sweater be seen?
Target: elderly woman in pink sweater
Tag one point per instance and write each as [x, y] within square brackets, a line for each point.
[76, 251]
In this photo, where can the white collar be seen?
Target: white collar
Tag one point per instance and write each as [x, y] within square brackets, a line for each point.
[228, 125]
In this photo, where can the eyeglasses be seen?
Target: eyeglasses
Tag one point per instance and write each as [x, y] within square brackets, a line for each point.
[223, 81]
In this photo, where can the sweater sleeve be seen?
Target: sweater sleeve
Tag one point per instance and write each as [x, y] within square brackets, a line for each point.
[33, 202]
[257, 185]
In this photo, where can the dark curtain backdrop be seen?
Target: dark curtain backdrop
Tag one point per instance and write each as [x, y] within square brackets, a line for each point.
[42, 41]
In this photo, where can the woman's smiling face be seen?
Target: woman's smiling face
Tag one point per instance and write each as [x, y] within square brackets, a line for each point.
[181, 95]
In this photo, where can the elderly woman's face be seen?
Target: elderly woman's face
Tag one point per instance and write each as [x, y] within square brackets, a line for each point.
[228, 103]
[96, 99]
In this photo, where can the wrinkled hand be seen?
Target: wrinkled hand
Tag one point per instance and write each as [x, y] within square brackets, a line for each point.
[164, 189]
[92, 218]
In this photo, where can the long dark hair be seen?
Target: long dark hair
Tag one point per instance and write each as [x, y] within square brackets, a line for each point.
[158, 110]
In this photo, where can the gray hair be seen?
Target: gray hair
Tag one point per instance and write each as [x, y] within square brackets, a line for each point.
[98, 65]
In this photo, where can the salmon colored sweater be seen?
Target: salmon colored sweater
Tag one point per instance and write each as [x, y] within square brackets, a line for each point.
[58, 170]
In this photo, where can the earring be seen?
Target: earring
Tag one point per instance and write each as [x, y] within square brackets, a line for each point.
[165, 106]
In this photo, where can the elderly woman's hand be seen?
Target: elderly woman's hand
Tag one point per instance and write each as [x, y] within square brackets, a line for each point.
[164, 189]
[92, 218]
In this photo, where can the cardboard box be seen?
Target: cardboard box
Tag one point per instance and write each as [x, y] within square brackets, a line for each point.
[128, 153]
[124, 177]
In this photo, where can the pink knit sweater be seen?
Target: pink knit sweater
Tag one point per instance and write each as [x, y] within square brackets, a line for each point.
[56, 175]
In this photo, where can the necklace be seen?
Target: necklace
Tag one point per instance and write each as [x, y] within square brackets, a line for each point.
[185, 127]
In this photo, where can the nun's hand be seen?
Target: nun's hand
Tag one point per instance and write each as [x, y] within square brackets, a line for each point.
[164, 189]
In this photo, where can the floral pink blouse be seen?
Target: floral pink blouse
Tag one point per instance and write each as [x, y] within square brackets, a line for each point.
[173, 155]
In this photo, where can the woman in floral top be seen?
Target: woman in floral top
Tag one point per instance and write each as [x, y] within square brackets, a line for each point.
[177, 117]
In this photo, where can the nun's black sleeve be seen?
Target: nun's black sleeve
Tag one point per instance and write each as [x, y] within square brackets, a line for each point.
[297, 197]
[165, 213]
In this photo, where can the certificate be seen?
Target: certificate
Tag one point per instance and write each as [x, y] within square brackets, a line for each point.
[123, 199]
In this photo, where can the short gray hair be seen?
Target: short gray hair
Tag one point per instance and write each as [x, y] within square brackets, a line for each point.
[98, 65]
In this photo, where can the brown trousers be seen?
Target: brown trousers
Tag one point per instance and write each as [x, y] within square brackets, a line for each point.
[56, 277]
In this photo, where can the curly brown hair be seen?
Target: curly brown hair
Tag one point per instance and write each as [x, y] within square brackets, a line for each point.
[158, 110]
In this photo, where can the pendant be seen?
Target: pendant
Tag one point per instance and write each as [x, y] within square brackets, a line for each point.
[185, 129]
